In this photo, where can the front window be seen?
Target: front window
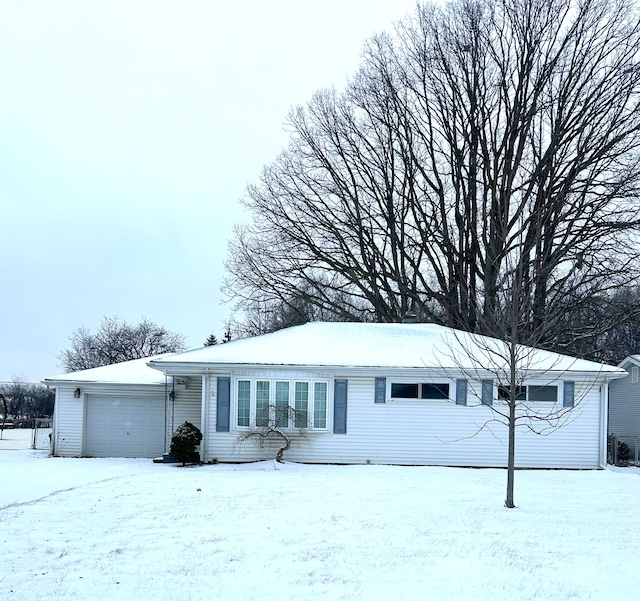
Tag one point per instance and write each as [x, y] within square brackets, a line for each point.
[244, 402]
[262, 403]
[531, 393]
[320, 405]
[282, 403]
[419, 390]
[302, 404]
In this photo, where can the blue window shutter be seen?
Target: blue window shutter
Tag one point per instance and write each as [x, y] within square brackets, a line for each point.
[223, 407]
[568, 398]
[381, 390]
[461, 392]
[340, 407]
[487, 392]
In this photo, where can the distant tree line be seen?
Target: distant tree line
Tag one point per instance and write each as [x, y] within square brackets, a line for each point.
[26, 399]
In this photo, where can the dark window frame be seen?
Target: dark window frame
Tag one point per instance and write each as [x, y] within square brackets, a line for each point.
[420, 391]
[524, 393]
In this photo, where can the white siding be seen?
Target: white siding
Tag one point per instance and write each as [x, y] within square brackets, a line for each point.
[68, 423]
[427, 433]
[624, 406]
[186, 407]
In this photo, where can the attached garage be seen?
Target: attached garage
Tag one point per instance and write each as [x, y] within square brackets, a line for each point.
[119, 410]
[124, 426]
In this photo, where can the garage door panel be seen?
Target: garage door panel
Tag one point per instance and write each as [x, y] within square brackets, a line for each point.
[124, 426]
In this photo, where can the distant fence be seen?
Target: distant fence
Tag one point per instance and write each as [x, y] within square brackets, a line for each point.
[623, 450]
[27, 434]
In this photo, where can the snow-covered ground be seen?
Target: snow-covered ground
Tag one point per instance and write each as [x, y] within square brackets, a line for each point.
[114, 529]
[22, 438]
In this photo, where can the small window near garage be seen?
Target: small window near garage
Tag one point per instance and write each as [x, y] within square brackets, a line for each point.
[415, 390]
[635, 373]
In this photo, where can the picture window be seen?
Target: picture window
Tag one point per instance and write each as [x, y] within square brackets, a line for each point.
[282, 403]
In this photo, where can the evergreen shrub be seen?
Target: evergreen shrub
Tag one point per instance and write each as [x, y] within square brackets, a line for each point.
[184, 442]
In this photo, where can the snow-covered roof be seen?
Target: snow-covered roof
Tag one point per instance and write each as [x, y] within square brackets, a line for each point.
[373, 345]
[128, 372]
[631, 359]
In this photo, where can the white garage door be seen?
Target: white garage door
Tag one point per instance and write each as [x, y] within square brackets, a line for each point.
[123, 426]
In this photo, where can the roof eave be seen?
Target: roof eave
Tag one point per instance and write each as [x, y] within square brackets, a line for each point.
[200, 368]
[633, 359]
[76, 382]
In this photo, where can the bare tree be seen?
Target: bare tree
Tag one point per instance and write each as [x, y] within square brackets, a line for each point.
[262, 317]
[514, 358]
[116, 341]
[476, 129]
[609, 327]
[277, 426]
[17, 393]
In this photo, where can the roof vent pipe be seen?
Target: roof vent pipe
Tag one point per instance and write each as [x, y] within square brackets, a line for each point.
[410, 317]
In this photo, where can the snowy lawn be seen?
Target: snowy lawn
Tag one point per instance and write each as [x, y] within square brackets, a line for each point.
[127, 529]
[22, 438]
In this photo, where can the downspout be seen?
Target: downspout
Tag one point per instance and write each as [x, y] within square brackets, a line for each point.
[169, 395]
[54, 426]
[172, 396]
[166, 411]
[604, 395]
[204, 419]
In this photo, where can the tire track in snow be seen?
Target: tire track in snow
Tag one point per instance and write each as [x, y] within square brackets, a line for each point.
[57, 492]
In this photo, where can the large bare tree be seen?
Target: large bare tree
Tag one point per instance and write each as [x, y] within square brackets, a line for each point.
[115, 341]
[481, 137]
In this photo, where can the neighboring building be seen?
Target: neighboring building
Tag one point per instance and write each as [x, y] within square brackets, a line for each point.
[413, 394]
[624, 402]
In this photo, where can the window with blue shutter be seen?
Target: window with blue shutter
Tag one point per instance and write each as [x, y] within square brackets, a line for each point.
[223, 404]
[340, 407]
[568, 398]
[487, 392]
[381, 390]
[461, 392]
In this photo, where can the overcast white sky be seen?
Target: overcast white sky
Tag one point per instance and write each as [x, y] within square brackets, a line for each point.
[128, 132]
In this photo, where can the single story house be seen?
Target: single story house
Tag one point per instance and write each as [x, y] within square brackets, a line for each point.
[416, 394]
[624, 402]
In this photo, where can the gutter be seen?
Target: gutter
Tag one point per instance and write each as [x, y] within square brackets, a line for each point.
[184, 368]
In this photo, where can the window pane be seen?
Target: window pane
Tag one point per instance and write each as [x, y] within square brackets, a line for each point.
[244, 402]
[301, 405]
[435, 391]
[282, 404]
[262, 403]
[543, 394]
[404, 391]
[503, 393]
[320, 405]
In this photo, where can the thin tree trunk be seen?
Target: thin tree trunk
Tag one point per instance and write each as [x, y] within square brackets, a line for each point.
[511, 460]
